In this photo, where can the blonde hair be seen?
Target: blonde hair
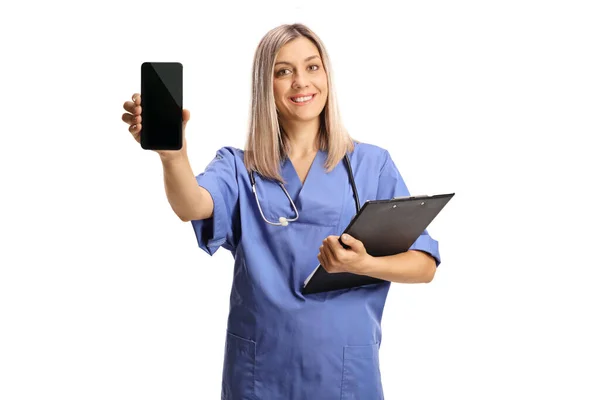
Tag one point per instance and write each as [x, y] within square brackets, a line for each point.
[266, 144]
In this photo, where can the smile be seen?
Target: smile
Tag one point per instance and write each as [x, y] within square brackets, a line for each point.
[300, 101]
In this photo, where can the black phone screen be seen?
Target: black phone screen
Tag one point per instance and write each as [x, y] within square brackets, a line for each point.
[162, 106]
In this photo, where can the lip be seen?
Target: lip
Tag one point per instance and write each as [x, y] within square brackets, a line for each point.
[303, 95]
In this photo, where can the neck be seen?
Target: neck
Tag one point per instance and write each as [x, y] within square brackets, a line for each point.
[303, 137]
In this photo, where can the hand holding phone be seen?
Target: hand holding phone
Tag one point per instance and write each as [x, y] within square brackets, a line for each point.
[162, 92]
[160, 124]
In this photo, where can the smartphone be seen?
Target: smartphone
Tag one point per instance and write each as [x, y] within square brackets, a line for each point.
[162, 106]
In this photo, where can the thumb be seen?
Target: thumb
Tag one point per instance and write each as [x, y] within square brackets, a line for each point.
[348, 240]
[354, 244]
[185, 117]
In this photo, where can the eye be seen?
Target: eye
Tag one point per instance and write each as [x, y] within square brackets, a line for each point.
[281, 71]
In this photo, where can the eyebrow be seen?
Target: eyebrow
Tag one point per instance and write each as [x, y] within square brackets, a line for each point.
[305, 60]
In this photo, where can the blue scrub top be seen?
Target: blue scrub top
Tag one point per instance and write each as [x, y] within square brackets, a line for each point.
[281, 344]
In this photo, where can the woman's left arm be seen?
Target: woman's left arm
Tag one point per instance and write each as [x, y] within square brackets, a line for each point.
[412, 266]
[417, 265]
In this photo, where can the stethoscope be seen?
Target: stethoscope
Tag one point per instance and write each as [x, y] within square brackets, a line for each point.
[283, 221]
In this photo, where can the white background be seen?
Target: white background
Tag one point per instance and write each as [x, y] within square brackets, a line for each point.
[104, 293]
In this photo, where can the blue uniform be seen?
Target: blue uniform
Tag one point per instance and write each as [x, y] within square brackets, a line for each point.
[281, 344]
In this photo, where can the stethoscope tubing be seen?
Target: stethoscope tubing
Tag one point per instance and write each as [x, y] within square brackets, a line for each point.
[284, 221]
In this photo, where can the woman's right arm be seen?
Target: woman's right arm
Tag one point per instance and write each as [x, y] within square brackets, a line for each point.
[188, 200]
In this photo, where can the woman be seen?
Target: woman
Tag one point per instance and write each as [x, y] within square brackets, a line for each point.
[281, 344]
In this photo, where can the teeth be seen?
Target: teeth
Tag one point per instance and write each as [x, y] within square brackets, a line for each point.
[301, 99]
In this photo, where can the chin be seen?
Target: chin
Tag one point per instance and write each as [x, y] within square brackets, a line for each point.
[306, 118]
[309, 115]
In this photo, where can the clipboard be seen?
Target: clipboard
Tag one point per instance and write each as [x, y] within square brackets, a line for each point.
[385, 227]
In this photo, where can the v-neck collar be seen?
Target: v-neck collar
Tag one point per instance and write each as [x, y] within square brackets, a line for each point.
[292, 180]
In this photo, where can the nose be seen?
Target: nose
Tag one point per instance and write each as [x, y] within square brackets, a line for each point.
[301, 80]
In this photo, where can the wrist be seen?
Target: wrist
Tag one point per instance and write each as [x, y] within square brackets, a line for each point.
[368, 265]
[170, 157]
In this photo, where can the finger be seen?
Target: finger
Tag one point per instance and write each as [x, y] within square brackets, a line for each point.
[321, 260]
[350, 240]
[185, 116]
[349, 243]
[129, 106]
[325, 263]
[137, 99]
[354, 244]
[131, 119]
[135, 130]
[323, 255]
[133, 108]
[332, 240]
[329, 254]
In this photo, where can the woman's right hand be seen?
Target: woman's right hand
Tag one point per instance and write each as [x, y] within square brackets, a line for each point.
[133, 117]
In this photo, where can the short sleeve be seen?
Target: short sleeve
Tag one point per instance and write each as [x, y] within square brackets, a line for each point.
[219, 179]
[391, 184]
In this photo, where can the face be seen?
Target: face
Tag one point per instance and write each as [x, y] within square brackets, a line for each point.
[299, 71]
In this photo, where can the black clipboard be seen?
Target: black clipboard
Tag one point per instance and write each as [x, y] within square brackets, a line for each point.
[385, 227]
